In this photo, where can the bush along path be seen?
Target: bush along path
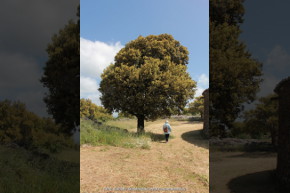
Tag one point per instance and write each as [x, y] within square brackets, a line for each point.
[181, 164]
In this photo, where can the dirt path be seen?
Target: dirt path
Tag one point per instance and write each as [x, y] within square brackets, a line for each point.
[242, 172]
[181, 163]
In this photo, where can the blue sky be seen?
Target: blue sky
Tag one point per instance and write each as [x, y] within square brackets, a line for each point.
[107, 25]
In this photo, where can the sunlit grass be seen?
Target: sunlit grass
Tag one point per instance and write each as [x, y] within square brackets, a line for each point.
[96, 134]
[117, 133]
[129, 124]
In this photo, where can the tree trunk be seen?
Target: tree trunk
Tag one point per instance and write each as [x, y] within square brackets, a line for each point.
[283, 160]
[140, 125]
[274, 137]
[201, 115]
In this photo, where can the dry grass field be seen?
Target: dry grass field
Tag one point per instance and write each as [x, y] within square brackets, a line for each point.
[181, 163]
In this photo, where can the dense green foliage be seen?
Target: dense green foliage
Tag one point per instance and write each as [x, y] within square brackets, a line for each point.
[226, 11]
[263, 118]
[234, 74]
[19, 126]
[61, 77]
[197, 106]
[93, 112]
[148, 79]
[125, 115]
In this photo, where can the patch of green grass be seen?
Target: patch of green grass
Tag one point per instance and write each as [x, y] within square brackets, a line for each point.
[23, 171]
[100, 134]
[67, 154]
[117, 133]
[128, 124]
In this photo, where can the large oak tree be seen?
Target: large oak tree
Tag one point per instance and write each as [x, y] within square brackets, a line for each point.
[148, 79]
[234, 75]
[61, 77]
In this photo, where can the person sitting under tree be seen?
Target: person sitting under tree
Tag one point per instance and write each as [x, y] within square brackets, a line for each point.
[166, 130]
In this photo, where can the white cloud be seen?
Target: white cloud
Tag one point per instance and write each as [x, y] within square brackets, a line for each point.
[88, 85]
[268, 85]
[202, 84]
[95, 98]
[203, 80]
[95, 56]
[199, 92]
[276, 67]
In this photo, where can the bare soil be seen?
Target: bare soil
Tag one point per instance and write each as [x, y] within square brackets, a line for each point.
[183, 162]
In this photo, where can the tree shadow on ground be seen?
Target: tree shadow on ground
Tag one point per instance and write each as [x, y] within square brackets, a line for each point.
[195, 138]
[249, 148]
[263, 182]
[189, 122]
[254, 155]
[157, 137]
[191, 119]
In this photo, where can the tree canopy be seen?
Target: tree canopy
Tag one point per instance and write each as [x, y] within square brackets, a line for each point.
[93, 112]
[148, 79]
[61, 76]
[197, 106]
[263, 118]
[234, 75]
[19, 126]
[226, 11]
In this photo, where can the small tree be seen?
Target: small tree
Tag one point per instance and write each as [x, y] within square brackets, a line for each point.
[264, 118]
[94, 112]
[197, 107]
[148, 79]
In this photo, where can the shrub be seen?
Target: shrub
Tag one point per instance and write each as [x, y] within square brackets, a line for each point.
[26, 129]
[93, 112]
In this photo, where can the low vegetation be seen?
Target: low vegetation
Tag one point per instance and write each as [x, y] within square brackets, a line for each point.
[33, 152]
[93, 112]
[33, 171]
[116, 133]
[26, 129]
